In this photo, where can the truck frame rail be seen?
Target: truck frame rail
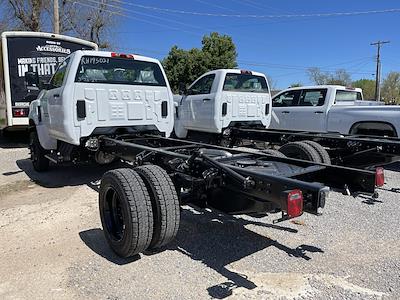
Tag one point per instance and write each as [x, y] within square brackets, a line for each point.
[238, 181]
[358, 151]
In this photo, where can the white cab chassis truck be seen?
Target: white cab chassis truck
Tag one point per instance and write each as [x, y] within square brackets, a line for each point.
[110, 105]
[37, 52]
[334, 109]
[221, 99]
[232, 107]
[96, 93]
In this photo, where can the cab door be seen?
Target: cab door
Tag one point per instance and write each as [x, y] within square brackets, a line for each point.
[199, 105]
[311, 111]
[284, 107]
[54, 109]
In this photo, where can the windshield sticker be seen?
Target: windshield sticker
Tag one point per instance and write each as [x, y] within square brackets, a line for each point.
[87, 60]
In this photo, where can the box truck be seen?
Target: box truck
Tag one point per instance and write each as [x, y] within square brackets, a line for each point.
[38, 52]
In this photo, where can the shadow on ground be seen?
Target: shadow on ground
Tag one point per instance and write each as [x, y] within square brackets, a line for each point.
[60, 176]
[16, 139]
[96, 241]
[393, 166]
[214, 239]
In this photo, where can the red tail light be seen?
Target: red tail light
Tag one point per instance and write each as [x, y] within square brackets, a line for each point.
[20, 112]
[295, 203]
[379, 177]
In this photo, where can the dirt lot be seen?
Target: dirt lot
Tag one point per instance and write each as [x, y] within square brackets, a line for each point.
[52, 246]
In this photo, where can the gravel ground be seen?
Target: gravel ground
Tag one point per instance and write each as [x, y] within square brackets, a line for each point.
[53, 246]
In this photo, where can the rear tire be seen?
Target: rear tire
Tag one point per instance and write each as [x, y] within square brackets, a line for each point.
[323, 154]
[39, 161]
[300, 150]
[273, 153]
[165, 204]
[125, 212]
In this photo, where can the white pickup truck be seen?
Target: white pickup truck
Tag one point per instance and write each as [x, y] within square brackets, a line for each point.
[94, 93]
[222, 98]
[331, 108]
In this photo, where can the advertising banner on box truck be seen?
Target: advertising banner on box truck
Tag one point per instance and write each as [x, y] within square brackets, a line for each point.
[29, 51]
[40, 55]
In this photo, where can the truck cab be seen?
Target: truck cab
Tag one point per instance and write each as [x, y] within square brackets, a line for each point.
[222, 98]
[96, 93]
[332, 108]
[306, 108]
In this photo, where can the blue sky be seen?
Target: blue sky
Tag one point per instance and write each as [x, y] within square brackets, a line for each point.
[282, 47]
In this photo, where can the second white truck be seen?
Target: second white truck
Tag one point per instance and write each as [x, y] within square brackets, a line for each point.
[220, 99]
[335, 109]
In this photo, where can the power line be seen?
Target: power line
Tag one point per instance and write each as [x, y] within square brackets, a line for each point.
[207, 14]
[144, 14]
[327, 68]
[214, 5]
[133, 18]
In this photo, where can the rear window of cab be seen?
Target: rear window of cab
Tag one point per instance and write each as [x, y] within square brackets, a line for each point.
[115, 70]
[345, 95]
[245, 83]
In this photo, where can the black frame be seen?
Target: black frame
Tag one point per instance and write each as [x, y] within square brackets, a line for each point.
[223, 183]
[351, 150]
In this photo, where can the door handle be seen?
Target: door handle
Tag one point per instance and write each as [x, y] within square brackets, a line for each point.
[318, 112]
[206, 99]
[56, 96]
[286, 112]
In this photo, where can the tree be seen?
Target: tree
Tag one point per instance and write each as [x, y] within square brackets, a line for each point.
[296, 84]
[219, 51]
[391, 88]
[368, 87]
[184, 66]
[317, 76]
[90, 21]
[271, 82]
[339, 77]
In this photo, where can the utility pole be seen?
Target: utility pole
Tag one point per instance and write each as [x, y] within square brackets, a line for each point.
[56, 17]
[378, 69]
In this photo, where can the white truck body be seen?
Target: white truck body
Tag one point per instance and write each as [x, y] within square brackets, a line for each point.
[95, 93]
[20, 52]
[330, 108]
[220, 98]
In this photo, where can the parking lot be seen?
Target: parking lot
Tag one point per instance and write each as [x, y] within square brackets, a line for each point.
[52, 245]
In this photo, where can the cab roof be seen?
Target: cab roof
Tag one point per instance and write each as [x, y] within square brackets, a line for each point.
[114, 54]
[235, 71]
[326, 86]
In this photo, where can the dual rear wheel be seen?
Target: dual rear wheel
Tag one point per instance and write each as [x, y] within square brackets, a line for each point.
[306, 150]
[139, 209]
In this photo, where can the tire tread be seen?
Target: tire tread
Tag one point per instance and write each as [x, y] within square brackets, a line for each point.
[163, 194]
[141, 216]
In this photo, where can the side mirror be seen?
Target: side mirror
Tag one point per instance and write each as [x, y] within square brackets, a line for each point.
[182, 88]
[32, 79]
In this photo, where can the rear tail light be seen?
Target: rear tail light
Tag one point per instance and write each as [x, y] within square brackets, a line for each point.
[267, 109]
[379, 176]
[20, 112]
[294, 203]
[224, 109]
[164, 109]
